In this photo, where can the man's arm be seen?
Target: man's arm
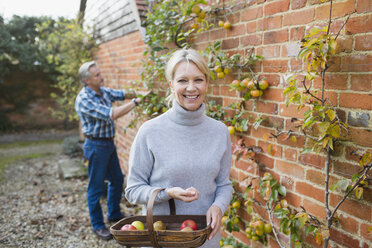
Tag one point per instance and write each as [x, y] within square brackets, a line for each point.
[123, 109]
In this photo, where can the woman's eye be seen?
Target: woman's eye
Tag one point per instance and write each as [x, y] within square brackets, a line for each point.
[182, 81]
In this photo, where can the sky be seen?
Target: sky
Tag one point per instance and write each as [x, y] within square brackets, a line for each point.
[52, 8]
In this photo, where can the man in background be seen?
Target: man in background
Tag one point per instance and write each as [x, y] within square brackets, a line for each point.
[93, 106]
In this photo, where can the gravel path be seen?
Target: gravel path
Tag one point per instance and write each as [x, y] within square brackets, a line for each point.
[38, 209]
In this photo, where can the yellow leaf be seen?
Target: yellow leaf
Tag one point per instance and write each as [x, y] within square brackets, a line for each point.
[271, 150]
[330, 143]
[266, 136]
[358, 193]
[293, 139]
[319, 238]
[331, 114]
[335, 131]
[366, 159]
[369, 229]
[325, 142]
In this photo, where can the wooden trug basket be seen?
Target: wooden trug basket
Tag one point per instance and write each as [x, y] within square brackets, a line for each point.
[171, 237]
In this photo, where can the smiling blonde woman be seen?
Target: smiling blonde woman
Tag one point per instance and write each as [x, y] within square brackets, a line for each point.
[183, 150]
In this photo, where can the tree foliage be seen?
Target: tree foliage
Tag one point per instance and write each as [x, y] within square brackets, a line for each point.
[68, 46]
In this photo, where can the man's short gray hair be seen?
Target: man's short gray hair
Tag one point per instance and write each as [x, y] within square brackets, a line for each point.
[84, 70]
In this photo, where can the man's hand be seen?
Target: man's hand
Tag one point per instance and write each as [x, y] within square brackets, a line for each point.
[214, 216]
[186, 195]
[143, 93]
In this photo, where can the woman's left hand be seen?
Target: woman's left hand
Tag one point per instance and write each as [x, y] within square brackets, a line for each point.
[214, 217]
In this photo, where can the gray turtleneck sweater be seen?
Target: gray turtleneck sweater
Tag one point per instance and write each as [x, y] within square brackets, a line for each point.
[181, 149]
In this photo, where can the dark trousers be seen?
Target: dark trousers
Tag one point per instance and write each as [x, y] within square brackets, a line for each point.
[103, 164]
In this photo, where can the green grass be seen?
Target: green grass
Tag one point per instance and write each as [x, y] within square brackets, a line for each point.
[19, 144]
[7, 161]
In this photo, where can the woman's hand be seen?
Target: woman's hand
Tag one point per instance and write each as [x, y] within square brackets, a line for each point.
[214, 216]
[186, 195]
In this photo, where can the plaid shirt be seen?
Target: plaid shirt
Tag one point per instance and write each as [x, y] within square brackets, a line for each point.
[95, 111]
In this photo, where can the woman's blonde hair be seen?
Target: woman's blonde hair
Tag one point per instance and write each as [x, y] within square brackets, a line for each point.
[188, 55]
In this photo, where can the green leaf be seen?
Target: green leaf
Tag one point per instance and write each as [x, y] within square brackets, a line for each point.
[282, 190]
[306, 150]
[323, 126]
[331, 114]
[340, 184]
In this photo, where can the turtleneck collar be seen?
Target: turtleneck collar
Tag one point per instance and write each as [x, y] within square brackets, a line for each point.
[185, 117]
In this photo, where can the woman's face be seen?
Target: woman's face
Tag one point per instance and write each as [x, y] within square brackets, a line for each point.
[189, 86]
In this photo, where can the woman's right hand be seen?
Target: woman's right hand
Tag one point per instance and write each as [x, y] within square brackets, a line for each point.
[186, 195]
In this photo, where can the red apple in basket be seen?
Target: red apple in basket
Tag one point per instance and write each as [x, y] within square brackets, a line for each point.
[189, 223]
[128, 227]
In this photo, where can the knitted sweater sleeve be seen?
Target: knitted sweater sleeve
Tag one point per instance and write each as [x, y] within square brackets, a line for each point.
[141, 161]
[224, 187]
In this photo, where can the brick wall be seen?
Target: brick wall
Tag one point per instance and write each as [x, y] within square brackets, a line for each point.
[274, 29]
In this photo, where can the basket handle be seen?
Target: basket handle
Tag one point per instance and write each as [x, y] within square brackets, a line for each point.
[150, 217]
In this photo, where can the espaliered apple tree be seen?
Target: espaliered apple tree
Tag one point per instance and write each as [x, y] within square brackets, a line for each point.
[322, 126]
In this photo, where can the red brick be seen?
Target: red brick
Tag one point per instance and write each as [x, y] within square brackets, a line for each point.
[245, 165]
[276, 150]
[290, 154]
[314, 208]
[315, 176]
[265, 160]
[230, 43]
[272, 122]
[251, 40]
[292, 111]
[334, 64]
[269, 51]
[298, 17]
[352, 207]
[274, 65]
[339, 9]
[217, 34]
[295, 65]
[355, 100]
[314, 160]
[364, 231]
[332, 81]
[359, 24]
[297, 33]
[267, 107]
[273, 79]
[251, 27]
[236, 30]
[343, 239]
[226, 91]
[276, 36]
[344, 44]
[345, 169]
[300, 142]
[363, 43]
[289, 169]
[349, 154]
[310, 191]
[357, 63]
[297, 4]
[273, 94]
[362, 137]
[276, 7]
[364, 6]
[272, 22]
[260, 132]
[251, 14]
[349, 224]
